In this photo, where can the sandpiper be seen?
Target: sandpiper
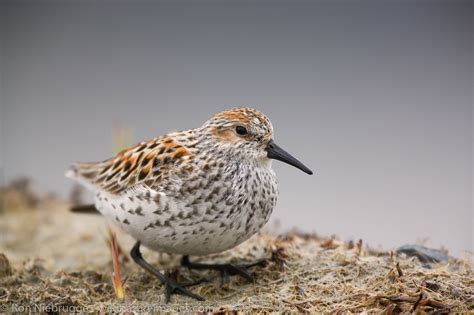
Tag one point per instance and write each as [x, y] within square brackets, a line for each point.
[193, 192]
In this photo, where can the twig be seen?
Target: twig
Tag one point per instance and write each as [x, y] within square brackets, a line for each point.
[410, 299]
[358, 248]
[415, 306]
[399, 270]
[116, 278]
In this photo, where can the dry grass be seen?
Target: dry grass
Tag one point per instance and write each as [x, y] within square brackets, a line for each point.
[59, 261]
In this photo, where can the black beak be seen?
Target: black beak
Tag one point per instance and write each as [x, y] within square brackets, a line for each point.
[277, 153]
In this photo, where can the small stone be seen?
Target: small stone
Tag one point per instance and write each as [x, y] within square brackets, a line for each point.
[455, 292]
[5, 269]
[34, 266]
[424, 254]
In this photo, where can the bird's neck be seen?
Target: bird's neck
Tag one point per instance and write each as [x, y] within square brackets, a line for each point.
[208, 145]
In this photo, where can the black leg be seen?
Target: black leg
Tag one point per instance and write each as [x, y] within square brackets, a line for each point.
[171, 286]
[225, 269]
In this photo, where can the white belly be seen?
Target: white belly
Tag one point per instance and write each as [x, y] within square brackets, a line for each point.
[174, 226]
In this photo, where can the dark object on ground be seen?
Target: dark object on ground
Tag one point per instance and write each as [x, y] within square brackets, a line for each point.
[424, 254]
[84, 209]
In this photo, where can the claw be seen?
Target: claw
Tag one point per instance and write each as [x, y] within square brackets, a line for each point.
[225, 269]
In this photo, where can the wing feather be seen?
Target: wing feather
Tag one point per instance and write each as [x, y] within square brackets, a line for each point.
[147, 163]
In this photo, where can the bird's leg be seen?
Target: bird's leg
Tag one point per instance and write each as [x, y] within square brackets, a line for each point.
[225, 269]
[171, 286]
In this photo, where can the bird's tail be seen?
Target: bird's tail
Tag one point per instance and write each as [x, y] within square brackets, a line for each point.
[85, 173]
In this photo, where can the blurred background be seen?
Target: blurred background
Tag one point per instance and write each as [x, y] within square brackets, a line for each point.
[376, 97]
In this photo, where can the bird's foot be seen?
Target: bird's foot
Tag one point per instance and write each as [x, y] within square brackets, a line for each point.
[171, 286]
[173, 276]
[226, 270]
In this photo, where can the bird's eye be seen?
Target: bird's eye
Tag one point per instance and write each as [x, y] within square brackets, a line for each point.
[241, 130]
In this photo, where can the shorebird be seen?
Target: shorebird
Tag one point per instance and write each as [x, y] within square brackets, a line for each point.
[193, 192]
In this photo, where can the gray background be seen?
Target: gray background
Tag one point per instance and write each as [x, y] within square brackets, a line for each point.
[376, 97]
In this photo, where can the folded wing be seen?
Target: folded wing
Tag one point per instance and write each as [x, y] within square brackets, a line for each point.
[147, 163]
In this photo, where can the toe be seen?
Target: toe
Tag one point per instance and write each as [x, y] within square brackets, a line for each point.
[237, 270]
[174, 288]
[181, 290]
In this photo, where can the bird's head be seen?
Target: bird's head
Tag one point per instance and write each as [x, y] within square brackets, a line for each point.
[248, 133]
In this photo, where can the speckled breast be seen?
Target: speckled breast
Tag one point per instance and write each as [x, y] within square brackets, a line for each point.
[208, 211]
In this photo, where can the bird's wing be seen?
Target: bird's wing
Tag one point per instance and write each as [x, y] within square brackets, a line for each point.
[148, 163]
